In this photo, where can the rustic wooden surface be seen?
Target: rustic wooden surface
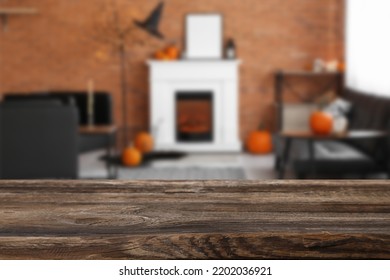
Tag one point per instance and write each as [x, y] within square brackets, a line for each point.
[194, 219]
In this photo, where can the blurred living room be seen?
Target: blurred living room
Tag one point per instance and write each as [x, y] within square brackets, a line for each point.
[183, 90]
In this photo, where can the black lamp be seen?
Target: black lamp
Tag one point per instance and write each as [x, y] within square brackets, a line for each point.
[151, 23]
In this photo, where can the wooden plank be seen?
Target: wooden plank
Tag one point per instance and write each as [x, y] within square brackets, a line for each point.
[194, 219]
[199, 246]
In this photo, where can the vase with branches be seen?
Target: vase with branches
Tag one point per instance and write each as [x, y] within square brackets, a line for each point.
[119, 30]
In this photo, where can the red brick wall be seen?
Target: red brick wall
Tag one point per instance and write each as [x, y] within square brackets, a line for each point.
[56, 49]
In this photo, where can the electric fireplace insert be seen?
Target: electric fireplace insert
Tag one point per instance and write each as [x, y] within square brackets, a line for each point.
[194, 116]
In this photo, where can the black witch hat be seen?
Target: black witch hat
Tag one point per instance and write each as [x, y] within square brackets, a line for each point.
[152, 22]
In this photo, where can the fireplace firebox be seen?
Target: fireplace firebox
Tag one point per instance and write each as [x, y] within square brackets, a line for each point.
[194, 116]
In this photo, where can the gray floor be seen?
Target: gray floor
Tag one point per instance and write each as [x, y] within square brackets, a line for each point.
[201, 166]
[195, 167]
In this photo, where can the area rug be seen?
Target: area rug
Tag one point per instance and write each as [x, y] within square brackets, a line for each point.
[182, 173]
[167, 166]
[147, 158]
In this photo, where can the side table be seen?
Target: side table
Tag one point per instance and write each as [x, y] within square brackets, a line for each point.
[109, 132]
[289, 136]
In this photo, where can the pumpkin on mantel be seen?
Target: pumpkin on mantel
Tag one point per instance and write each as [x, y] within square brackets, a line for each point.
[321, 123]
[131, 156]
[171, 52]
[259, 142]
[160, 55]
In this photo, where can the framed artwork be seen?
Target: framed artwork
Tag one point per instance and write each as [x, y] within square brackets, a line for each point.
[204, 36]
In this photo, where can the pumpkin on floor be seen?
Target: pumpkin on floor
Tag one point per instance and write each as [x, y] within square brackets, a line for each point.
[131, 156]
[259, 142]
[144, 142]
[321, 123]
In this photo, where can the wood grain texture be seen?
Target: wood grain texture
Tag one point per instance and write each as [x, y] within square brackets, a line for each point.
[194, 219]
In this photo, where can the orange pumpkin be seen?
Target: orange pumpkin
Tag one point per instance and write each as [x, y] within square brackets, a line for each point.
[172, 52]
[259, 142]
[321, 123]
[144, 142]
[160, 55]
[131, 156]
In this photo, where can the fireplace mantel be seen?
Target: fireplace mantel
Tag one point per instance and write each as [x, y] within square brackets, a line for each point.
[194, 69]
[221, 77]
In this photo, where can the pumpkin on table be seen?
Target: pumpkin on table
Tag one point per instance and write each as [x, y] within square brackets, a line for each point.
[144, 142]
[131, 156]
[321, 123]
[259, 142]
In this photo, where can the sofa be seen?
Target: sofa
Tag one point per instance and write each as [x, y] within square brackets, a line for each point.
[102, 108]
[38, 140]
[346, 158]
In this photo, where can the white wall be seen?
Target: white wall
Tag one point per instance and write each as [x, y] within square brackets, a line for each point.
[368, 46]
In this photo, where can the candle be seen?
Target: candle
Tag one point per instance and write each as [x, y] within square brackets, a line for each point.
[90, 101]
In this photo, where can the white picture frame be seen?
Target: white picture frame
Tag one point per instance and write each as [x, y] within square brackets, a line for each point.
[204, 36]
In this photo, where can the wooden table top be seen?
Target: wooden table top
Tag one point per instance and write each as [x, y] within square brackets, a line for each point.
[194, 219]
[351, 134]
[97, 129]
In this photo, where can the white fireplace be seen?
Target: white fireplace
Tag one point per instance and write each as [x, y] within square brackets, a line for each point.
[194, 105]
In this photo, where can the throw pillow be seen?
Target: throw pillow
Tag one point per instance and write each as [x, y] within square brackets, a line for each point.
[339, 109]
